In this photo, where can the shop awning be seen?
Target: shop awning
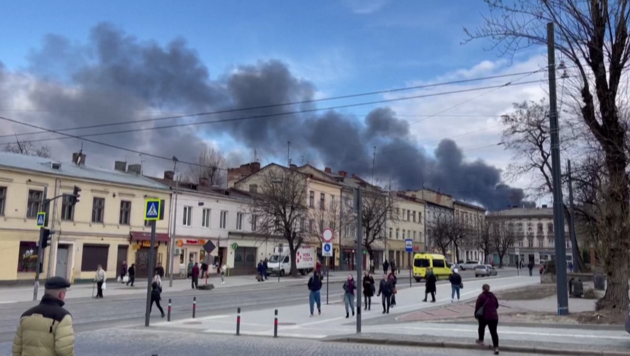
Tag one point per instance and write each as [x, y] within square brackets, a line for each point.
[146, 236]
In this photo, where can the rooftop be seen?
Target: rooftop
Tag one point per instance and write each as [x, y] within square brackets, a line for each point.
[522, 212]
[69, 169]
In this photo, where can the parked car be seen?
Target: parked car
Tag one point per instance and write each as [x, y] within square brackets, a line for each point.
[468, 265]
[485, 271]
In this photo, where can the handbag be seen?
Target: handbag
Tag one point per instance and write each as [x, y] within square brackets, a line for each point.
[461, 285]
[479, 312]
[104, 285]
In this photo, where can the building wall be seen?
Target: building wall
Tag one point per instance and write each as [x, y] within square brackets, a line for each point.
[16, 227]
[473, 217]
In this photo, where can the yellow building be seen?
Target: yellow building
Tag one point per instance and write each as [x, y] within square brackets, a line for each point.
[405, 222]
[473, 218]
[105, 227]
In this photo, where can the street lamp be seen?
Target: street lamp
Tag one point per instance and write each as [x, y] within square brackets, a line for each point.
[172, 244]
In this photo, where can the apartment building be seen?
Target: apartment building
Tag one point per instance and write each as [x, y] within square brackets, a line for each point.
[105, 227]
[472, 217]
[438, 206]
[405, 222]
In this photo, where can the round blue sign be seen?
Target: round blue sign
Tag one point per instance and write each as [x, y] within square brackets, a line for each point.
[327, 247]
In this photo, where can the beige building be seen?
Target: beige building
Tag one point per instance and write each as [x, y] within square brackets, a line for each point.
[406, 222]
[472, 217]
[105, 227]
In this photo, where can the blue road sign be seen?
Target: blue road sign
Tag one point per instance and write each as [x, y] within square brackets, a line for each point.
[152, 209]
[409, 245]
[41, 219]
[327, 249]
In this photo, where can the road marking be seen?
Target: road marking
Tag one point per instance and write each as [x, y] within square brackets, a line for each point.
[266, 333]
[503, 332]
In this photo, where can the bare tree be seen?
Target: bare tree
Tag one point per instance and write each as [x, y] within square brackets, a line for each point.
[459, 234]
[527, 136]
[440, 234]
[376, 206]
[279, 205]
[27, 148]
[209, 163]
[483, 239]
[503, 237]
[593, 36]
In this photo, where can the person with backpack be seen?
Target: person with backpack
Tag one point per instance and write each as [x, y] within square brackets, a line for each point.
[486, 315]
[314, 286]
[385, 290]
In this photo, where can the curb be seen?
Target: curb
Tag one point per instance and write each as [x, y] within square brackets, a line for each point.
[459, 345]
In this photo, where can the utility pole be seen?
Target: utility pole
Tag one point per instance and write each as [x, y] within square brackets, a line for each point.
[359, 256]
[574, 246]
[558, 205]
[40, 250]
[172, 244]
[52, 253]
[289, 153]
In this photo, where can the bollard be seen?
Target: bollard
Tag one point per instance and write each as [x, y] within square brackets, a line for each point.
[238, 321]
[194, 306]
[168, 318]
[275, 324]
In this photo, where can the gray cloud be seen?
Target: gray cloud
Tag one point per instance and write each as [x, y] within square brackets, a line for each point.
[115, 78]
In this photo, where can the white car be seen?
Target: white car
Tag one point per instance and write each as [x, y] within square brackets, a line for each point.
[485, 271]
[468, 265]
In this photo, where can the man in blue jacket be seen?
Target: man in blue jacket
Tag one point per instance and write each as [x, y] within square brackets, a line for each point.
[314, 285]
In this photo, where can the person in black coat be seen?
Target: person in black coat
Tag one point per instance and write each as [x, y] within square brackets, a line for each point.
[156, 297]
[385, 288]
[368, 290]
[132, 274]
[393, 280]
[430, 286]
[159, 270]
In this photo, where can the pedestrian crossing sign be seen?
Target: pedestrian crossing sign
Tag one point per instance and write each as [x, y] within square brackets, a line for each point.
[152, 209]
[41, 219]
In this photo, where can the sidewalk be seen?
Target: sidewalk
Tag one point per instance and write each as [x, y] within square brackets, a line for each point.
[87, 290]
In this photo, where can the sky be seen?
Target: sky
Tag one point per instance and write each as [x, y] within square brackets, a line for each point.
[76, 63]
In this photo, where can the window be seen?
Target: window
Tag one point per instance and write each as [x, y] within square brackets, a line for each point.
[311, 222]
[321, 225]
[390, 232]
[520, 243]
[67, 210]
[125, 212]
[397, 231]
[403, 235]
[27, 258]
[253, 188]
[550, 242]
[187, 216]
[98, 212]
[223, 221]
[332, 202]
[539, 228]
[34, 203]
[414, 236]
[439, 263]
[254, 222]
[420, 217]
[3, 198]
[550, 228]
[530, 242]
[205, 218]
[311, 199]
[568, 244]
[421, 263]
[147, 223]
[403, 215]
[239, 221]
[322, 201]
[409, 215]
[333, 225]
[541, 243]
[413, 216]
[302, 224]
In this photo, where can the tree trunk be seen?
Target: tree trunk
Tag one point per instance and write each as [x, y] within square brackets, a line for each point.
[616, 269]
[293, 253]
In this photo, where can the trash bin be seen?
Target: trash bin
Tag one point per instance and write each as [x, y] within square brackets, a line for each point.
[576, 288]
[599, 281]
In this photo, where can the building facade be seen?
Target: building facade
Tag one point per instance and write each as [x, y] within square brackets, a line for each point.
[534, 235]
[437, 206]
[472, 217]
[105, 227]
[405, 222]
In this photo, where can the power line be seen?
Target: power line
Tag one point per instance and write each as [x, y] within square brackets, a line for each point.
[181, 116]
[83, 137]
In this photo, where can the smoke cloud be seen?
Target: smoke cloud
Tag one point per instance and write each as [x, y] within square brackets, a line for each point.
[115, 77]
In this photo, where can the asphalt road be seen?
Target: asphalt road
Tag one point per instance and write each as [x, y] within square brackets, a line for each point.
[130, 342]
[90, 314]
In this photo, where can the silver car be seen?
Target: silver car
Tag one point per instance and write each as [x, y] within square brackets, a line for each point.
[468, 265]
[485, 271]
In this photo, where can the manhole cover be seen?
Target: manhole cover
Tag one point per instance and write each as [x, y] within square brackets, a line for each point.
[192, 323]
[287, 324]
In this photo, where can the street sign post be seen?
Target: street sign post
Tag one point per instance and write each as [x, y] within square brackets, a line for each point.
[209, 247]
[152, 214]
[327, 235]
[41, 219]
[326, 249]
[409, 249]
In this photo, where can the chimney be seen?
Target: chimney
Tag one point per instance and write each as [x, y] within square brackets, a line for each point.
[203, 182]
[78, 158]
[169, 175]
[293, 166]
[328, 170]
[120, 166]
[134, 168]
[343, 173]
[255, 167]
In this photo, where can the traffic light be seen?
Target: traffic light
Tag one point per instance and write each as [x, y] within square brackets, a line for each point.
[44, 238]
[75, 195]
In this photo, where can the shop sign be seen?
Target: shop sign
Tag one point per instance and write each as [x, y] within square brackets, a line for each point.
[180, 243]
[234, 246]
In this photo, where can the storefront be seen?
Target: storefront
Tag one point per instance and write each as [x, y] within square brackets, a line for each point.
[141, 247]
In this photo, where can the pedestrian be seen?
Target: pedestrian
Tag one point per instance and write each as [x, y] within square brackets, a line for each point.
[204, 269]
[393, 266]
[265, 266]
[430, 286]
[123, 272]
[486, 315]
[132, 274]
[158, 281]
[456, 284]
[156, 292]
[371, 266]
[349, 287]
[522, 264]
[385, 292]
[531, 267]
[318, 267]
[314, 286]
[190, 267]
[99, 278]
[195, 276]
[46, 329]
[259, 269]
[392, 281]
[385, 266]
[368, 290]
[223, 270]
[159, 270]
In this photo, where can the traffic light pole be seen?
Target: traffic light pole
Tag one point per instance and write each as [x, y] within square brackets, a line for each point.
[40, 250]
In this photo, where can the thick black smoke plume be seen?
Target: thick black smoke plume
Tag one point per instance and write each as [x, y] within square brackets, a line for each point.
[116, 78]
